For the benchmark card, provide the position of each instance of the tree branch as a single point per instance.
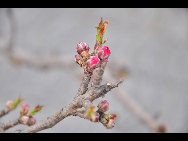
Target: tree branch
(98, 74)
(73, 108)
(5, 112)
(24, 58)
(85, 82)
(10, 124)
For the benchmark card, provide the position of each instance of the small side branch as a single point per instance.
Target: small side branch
(50, 121)
(101, 91)
(10, 124)
(4, 112)
(76, 108)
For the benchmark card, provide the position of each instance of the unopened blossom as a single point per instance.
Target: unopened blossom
(83, 54)
(108, 120)
(9, 104)
(110, 124)
(35, 110)
(31, 121)
(28, 120)
(103, 106)
(81, 46)
(92, 63)
(77, 58)
(95, 117)
(81, 60)
(24, 109)
(91, 114)
(24, 120)
(103, 52)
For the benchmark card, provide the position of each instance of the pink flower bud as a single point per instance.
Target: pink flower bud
(24, 120)
(110, 124)
(103, 106)
(32, 121)
(92, 63)
(103, 52)
(81, 46)
(95, 117)
(77, 58)
(9, 104)
(25, 106)
(24, 109)
(28, 120)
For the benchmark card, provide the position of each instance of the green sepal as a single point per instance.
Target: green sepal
(35, 110)
(16, 102)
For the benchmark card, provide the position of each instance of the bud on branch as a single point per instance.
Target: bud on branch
(35, 110)
(92, 63)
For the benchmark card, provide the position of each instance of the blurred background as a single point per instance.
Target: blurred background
(151, 46)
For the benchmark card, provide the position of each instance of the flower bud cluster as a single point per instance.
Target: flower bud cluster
(12, 104)
(108, 120)
(102, 52)
(84, 57)
(24, 109)
(26, 116)
(103, 106)
(92, 115)
(95, 116)
(27, 120)
(9, 104)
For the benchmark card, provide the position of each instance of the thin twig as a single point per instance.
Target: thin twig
(10, 124)
(78, 102)
(5, 111)
(30, 60)
(71, 109)
(96, 78)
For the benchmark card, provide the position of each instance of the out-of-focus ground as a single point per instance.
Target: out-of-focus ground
(151, 43)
